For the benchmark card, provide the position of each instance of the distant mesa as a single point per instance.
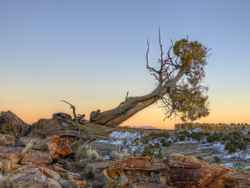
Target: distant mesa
(142, 126)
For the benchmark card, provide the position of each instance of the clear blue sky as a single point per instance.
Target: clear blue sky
(92, 52)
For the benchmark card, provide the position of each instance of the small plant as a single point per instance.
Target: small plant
(214, 137)
(233, 146)
(196, 136)
(235, 141)
(217, 159)
(88, 172)
(92, 154)
(182, 135)
(87, 153)
(148, 151)
(164, 142)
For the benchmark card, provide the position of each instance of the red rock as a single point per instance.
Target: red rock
(234, 179)
(132, 170)
(37, 157)
(177, 171)
(189, 172)
(31, 176)
(150, 185)
(59, 147)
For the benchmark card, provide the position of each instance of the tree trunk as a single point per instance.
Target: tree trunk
(132, 105)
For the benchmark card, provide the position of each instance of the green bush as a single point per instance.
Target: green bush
(182, 135)
(234, 145)
(214, 137)
(197, 136)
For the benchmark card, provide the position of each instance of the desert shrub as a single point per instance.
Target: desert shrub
(214, 137)
(235, 141)
(92, 154)
(230, 147)
(200, 157)
(152, 151)
(217, 159)
(147, 139)
(164, 142)
(182, 135)
(148, 151)
(197, 136)
(88, 172)
(87, 153)
(234, 145)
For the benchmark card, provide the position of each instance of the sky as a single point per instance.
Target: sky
(92, 52)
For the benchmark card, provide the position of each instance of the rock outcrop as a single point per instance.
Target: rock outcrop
(59, 147)
(176, 171)
(47, 127)
(56, 154)
(11, 124)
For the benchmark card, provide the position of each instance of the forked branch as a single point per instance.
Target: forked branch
(72, 107)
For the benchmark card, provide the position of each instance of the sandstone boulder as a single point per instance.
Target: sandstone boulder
(176, 171)
(59, 147)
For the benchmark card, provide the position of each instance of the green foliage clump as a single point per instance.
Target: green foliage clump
(189, 99)
(190, 51)
(148, 151)
(197, 136)
(214, 137)
(234, 141)
(153, 151)
(217, 159)
(182, 135)
(189, 103)
(164, 142)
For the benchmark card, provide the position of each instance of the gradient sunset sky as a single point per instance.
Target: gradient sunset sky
(92, 52)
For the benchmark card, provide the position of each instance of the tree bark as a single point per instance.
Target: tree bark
(133, 105)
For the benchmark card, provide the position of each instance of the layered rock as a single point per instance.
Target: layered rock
(24, 167)
(47, 157)
(11, 124)
(46, 127)
(176, 171)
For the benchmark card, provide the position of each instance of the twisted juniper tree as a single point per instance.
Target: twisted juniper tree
(179, 73)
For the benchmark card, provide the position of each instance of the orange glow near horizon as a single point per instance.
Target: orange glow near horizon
(151, 117)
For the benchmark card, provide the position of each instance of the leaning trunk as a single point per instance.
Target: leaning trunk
(124, 111)
(132, 105)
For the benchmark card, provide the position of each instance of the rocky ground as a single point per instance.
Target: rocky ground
(59, 152)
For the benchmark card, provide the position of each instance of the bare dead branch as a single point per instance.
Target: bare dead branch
(161, 51)
(71, 107)
(147, 54)
(151, 69)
